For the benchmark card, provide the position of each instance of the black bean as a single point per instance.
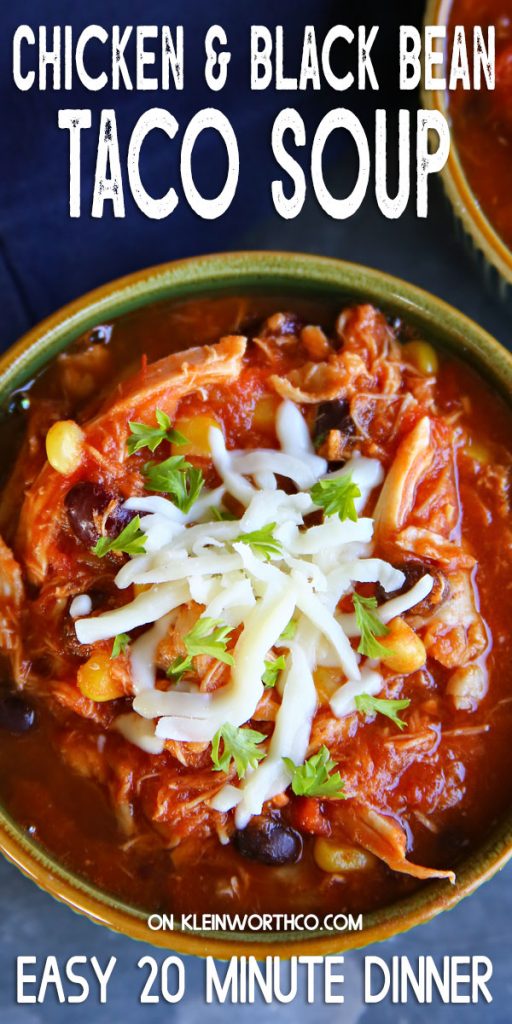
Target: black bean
(270, 842)
(118, 519)
(70, 643)
(414, 571)
(85, 503)
(19, 403)
(99, 335)
(16, 715)
(99, 595)
(402, 330)
(290, 324)
(280, 325)
(334, 415)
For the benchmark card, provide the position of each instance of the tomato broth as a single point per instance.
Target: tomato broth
(482, 121)
(137, 824)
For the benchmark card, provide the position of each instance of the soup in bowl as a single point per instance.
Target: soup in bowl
(477, 174)
(255, 521)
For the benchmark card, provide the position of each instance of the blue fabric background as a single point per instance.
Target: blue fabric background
(46, 259)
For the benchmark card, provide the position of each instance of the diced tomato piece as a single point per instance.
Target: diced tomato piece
(308, 816)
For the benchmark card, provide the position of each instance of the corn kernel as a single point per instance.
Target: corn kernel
(422, 355)
(195, 429)
(327, 681)
(98, 680)
(466, 686)
(478, 451)
(337, 858)
(407, 650)
(264, 415)
(64, 443)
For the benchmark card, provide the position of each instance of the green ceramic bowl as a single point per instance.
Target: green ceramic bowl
(266, 273)
(488, 250)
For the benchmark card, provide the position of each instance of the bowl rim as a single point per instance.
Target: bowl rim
(456, 185)
(235, 272)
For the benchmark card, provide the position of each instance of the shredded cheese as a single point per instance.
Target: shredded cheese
(291, 732)
(80, 605)
(138, 732)
(235, 702)
(143, 654)
(147, 607)
(343, 700)
(396, 606)
(308, 570)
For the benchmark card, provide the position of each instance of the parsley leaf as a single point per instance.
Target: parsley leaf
(263, 541)
(121, 642)
(288, 633)
(272, 669)
(177, 477)
(209, 636)
(370, 627)
(239, 745)
(150, 437)
(180, 666)
(319, 440)
(336, 495)
(373, 705)
(313, 779)
(131, 541)
(222, 514)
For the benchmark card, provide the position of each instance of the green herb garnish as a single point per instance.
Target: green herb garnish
(263, 541)
(131, 541)
(180, 666)
(336, 495)
(176, 477)
(209, 636)
(222, 514)
(319, 440)
(150, 437)
(313, 779)
(288, 633)
(120, 645)
(382, 705)
(239, 745)
(370, 627)
(272, 669)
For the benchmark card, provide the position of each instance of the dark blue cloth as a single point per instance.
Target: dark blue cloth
(46, 259)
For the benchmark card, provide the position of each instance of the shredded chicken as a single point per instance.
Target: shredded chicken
(11, 599)
(456, 633)
(162, 385)
(384, 837)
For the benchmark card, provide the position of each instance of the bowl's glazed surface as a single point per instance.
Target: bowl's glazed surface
(266, 273)
(492, 255)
